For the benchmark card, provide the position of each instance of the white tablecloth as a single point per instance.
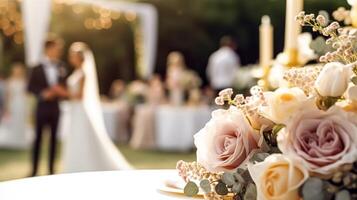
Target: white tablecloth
(118, 185)
(175, 126)
(110, 114)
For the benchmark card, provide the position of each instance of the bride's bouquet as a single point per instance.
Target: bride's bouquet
(298, 142)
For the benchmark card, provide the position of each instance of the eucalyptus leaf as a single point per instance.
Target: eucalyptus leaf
(221, 189)
(237, 188)
(313, 189)
(343, 195)
(354, 80)
(259, 157)
(251, 192)
(240, 170)
(191, 189)
(205, 185)
(239, 178)
(228, 178)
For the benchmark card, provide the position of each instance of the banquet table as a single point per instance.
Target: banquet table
(176, 125)
(110, 185)
(111, 115)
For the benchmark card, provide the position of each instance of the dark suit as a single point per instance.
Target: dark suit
(46, 114)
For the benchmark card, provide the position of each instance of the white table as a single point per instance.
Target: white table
(115, 185)
(110, 114)
(175, 126)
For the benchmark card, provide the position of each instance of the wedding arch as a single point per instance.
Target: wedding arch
(36, 17)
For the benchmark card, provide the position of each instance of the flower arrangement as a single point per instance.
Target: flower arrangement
(294, 143)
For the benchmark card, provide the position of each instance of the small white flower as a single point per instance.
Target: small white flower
(321, 20)
(226, 93)
(219, 101)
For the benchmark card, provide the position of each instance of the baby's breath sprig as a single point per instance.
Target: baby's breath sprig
(344, 41)
(303, 78)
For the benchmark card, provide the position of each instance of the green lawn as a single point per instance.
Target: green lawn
(16, 164)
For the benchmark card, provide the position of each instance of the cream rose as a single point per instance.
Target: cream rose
(278, 177)
(324, 140)
(283, 103)
(333, 79)
(226, 140)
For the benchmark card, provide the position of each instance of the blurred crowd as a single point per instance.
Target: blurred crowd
(135, 102)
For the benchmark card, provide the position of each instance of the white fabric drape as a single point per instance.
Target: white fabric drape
(36, 17)
(92, 107)
(148, 20)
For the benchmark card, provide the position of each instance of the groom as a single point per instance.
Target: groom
(45, 80)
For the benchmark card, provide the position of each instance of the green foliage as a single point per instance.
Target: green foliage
(259, 157)
(313, 189)
(205, 185)
(221, 189)
(325, 103)
(228, 179)
(251, 192)
(191, 189)
(343, 195)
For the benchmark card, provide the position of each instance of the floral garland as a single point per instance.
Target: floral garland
(293, 143)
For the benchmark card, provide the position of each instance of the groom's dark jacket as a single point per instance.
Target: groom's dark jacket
(38, 83)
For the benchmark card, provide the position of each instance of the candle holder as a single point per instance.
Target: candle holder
(290, 58)
(263, 80)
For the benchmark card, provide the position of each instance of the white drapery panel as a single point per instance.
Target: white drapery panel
(36, 18)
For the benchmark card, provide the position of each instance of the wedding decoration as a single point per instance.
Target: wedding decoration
(265, 49)
(297, 142)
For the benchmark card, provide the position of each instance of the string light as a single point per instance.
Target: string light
(130, 16)
(10, 20)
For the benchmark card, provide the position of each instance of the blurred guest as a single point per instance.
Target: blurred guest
(144, 118)
(44, 81)
(175, 77)
(117, 89)
(121, 104)
(194, 97)
(223, 65)
(2, 95)
(208, 96)
(15, 131)
(136, 92)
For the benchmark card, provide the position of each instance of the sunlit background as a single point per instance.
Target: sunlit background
(192, 27)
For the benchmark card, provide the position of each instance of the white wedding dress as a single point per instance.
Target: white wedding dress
(87, 146)
(15, 131)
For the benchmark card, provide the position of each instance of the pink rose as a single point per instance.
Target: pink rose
(226, 141)
(324, 140)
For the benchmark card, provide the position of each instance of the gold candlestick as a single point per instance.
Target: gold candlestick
(291, 58)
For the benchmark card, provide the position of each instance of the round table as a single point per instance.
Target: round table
(111, 185)
(175, 126)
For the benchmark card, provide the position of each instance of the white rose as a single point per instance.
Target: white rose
(278, 178)
(333, 79)
(283, 103)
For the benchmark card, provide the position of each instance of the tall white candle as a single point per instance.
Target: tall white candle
(292, 28)
(265, 42)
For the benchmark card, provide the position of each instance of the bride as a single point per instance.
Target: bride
(87, 146)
